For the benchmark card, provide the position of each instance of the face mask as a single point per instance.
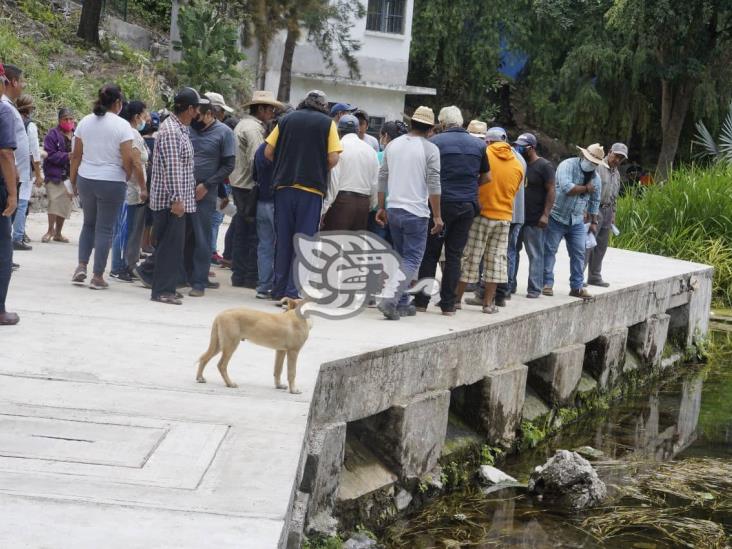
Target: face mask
(587, 166)
(67, 126)
(141, 126)
(198, 124)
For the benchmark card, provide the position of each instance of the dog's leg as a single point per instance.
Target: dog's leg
(223, 364)
(279, 363)
(291, 370)
(213, 348)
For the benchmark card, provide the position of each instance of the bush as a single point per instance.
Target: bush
(690, 218)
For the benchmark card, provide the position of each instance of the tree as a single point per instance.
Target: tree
(91, 13)
(210, 47)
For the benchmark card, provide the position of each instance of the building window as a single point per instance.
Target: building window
(386, 16)
(375, 124)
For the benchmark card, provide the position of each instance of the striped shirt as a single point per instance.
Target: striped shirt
(172, 170)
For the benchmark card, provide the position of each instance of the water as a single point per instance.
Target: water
(682, 423)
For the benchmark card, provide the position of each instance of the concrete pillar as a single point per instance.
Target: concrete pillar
(325, 450)
(604, 357)
(699, 303)
(555, 376)
(502, 402)
(408, 437)
(648, 338)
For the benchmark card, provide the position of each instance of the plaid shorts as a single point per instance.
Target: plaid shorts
(487, 240)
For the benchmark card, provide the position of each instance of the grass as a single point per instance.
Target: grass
(690, 218)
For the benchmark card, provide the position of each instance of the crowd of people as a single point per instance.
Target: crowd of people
(153, 188)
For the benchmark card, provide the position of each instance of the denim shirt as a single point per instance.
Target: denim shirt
(570, 210)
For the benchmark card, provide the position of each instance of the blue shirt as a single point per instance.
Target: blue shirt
(262, 174)
(462, 159)
(210, 147)
(570, 210)
(7, 133)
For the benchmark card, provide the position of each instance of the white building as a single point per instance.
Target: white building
(385, 35)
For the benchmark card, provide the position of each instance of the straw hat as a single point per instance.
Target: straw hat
(477, 128)
(424, 115)
(263, 97)
(595, 154)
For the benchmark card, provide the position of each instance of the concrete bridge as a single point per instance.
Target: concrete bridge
(107, 440)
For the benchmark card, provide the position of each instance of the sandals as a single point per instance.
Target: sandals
(168, 299)
(490, 309)
(98, 284)
(47, 237)
(79, 275)
(60, 238)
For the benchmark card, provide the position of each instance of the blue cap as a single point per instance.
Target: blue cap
(496, 134)
(348, 124)
(341, 107)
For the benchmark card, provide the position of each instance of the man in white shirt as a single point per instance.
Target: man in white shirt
(363, 126)
(13, 90)
(353, 182)
(410, 174)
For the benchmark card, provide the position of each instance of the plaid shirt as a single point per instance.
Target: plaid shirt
(570, 210)
(172, 171)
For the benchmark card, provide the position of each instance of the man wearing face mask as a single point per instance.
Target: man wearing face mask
(610, 178)
(214, 148)
(577, 192)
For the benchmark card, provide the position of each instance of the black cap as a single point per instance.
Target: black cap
(188, 97)
(348, 124)
(361, 114)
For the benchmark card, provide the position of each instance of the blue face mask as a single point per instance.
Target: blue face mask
(587, 166)
(141, 126)
(521, 149)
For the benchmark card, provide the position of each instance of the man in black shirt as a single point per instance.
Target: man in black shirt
(538, 202)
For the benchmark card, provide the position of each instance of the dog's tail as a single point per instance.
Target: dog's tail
(214, 346)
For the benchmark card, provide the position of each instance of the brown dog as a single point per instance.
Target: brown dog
(285, 333)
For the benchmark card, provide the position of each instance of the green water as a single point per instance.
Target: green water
(686, 417)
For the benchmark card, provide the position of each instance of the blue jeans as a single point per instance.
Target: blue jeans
(296, 211)
(575, 238)
(266, 245)
(532, 238)
(409, 234)
(119, 243)
(197, 248)
(6, 253)
(19, 223)
(217, 219)
(505, 290)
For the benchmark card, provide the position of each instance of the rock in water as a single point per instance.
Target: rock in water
(569, 480)
(590, 453)
(491, 475)
(359, 541)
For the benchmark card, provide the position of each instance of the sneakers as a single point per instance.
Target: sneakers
(501, 301)
(389, 310)
(79, 275)
(122, 276)
(263, 295)
(20, 246)
(407, 310)
(216, 259)
(473, 301)
(548, 291)
(581, 293)
(26, 239)
(533, 296)
(601, 283)
(98, 284)
(196, 293)
(144, 281)
(210, 285)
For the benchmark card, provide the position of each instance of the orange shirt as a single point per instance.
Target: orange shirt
(507, 173)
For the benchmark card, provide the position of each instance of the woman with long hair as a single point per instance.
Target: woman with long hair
(101, 164)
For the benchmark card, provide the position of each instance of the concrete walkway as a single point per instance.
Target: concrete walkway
(106, 440)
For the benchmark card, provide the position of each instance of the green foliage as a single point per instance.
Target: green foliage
(210, 47)
(489, 454)
(38, 10)
(690, 217)
(155, 13)
(531, 434)
(333, 542)
(721, 152)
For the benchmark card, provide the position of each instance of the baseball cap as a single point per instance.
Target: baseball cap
(341, 107)
(361, 114)
(319, 96)
(620, 148)
(496, 134)
(348, 124)
(527, 139)
(217, 100)
(188, 97)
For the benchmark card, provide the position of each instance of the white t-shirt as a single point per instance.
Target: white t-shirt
(101, 137)
(133, 189)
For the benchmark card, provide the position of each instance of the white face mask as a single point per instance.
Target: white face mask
(587, 166)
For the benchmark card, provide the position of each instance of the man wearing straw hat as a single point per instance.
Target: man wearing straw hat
(410, 175)
(250, 132)
(578, 193)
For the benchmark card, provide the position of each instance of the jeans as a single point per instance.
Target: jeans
(20, 218)
(532, 238)
(458, 217)
(266, 246)
(295, 211)
(575, 238)
(135, 227)
(409, 234)
(512, 254)
(217, 218)
(244, 244)
(101, 201)
(197, 249)
(378, 230)
(165, 263)
(6, 254)
(119, 241)
(595, 256)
